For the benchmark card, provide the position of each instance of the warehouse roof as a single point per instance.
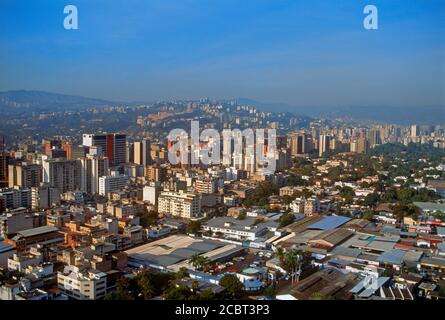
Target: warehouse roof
(329, 223)
(37, 231)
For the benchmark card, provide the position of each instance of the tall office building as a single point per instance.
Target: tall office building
(362, 145)
(415, 131)
(25, 175)
(323, 144)
(113, 146)
(374, 138)
(298, 143)
(3, 164)
(62, 174)
(142, 152)
(93, 167)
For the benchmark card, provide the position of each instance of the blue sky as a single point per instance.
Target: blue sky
(307, 53)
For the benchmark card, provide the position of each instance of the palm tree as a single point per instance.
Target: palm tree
(292, 261)
(198, 261)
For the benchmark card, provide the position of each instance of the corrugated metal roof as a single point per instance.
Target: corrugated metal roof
(5, 246)
(37, 231)
(394, 256)
(329, 223)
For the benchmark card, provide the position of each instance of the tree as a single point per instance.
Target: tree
(232, 284)
(180, 292)
(198, 261)
(207, 294)
(270, 291)
(390, 195)
(145, 283)
(291, 261)
(149, 218)
(193, 227)
(182, 273)
(286, 199)
(347, 192)
(286, 219)
(118, 295)
(369, 214)
(261, 194)
(371, 199)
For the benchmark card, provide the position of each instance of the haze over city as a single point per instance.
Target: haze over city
(302, 53)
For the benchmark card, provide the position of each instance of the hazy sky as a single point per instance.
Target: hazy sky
(302, 52)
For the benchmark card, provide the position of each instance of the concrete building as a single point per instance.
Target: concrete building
(112, 183)
(141, 152)
(24, 175)
(44, 197)
(206, 185)
(179, 204)
(93, 167)
(151, 193)
(113, 146)
(82, 285)
(16, 198)
(62, 174)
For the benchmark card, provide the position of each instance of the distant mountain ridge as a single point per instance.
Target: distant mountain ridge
(19, 101)
(12, 102)
(386, 114)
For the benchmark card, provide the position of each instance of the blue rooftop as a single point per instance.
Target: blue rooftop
(329, 223)
(5, 247)
(394, 256)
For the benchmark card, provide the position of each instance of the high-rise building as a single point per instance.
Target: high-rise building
(374, 138)
(62, 174)
(362, 145)
(44, 196)
(93, 167)
(78, 152)
(298, 143)
(415, 131)
(323, 144)
(142, 152)
(4, 159)
(155, 173)
(24, 175)
(113, 146)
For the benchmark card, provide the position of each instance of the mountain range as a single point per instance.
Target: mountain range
(22, 101)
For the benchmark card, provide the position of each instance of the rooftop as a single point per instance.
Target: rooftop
(37, 231)
(329, 223)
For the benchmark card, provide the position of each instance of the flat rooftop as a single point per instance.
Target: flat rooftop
(174, 251)
(329, 223)
(37, 231)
